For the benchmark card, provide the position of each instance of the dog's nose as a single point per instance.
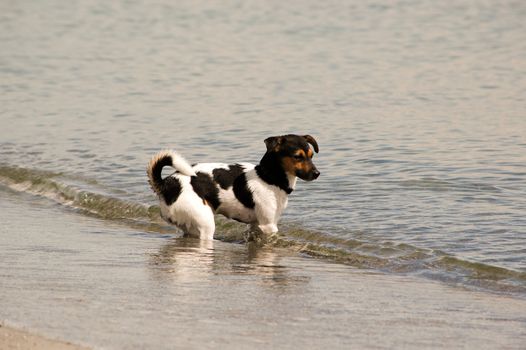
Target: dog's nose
(316, 173)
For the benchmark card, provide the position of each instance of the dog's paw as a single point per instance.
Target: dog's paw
(268, 229)
(261, 239)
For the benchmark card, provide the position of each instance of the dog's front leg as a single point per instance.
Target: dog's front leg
(267, 217)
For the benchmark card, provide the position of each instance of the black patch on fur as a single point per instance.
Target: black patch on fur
(226, 177)
(313, 142)
(271, 171)
(205, 188)
(171, 189)
(242, 192)
(291, 143)
(158, 169)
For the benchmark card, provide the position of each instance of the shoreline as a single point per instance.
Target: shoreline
(14, 338)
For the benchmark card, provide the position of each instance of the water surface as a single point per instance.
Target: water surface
(110, 286)
(418, 108)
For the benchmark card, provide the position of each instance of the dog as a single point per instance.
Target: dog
(252, 194)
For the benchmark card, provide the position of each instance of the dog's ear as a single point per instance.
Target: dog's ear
(273, 143)
(312, 141)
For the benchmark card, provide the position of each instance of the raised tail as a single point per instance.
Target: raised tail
(162, 159)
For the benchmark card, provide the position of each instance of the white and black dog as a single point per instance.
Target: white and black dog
(253, 194)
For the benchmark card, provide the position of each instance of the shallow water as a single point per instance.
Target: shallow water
(110, 286)
(418, 108)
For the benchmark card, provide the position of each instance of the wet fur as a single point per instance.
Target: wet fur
(253, 194)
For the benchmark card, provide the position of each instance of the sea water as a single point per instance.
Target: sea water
(418, 108)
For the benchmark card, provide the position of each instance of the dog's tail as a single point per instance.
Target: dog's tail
(162, 159)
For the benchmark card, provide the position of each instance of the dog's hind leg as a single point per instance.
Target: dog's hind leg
(207, 231)
(268, 229)
(204, 225)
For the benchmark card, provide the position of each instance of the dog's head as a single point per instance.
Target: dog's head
(295, 154)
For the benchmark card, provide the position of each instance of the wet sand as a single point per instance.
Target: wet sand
(11, 338)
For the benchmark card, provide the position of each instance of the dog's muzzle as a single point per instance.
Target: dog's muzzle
(311, 175)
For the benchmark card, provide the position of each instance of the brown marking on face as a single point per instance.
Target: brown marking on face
(289, 165)
(310, 153)
(300, 153)
(303, 166)
(299, 163)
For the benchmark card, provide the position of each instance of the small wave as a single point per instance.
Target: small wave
(54, 186)
(384, 256)
(405, 258)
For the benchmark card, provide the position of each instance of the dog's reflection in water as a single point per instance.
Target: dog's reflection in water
(186, 259)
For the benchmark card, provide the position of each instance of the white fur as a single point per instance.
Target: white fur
(180, 164)
(270, 201)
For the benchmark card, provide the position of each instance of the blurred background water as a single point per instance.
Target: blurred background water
(418, 106)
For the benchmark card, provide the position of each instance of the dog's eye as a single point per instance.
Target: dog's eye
(298, 157)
